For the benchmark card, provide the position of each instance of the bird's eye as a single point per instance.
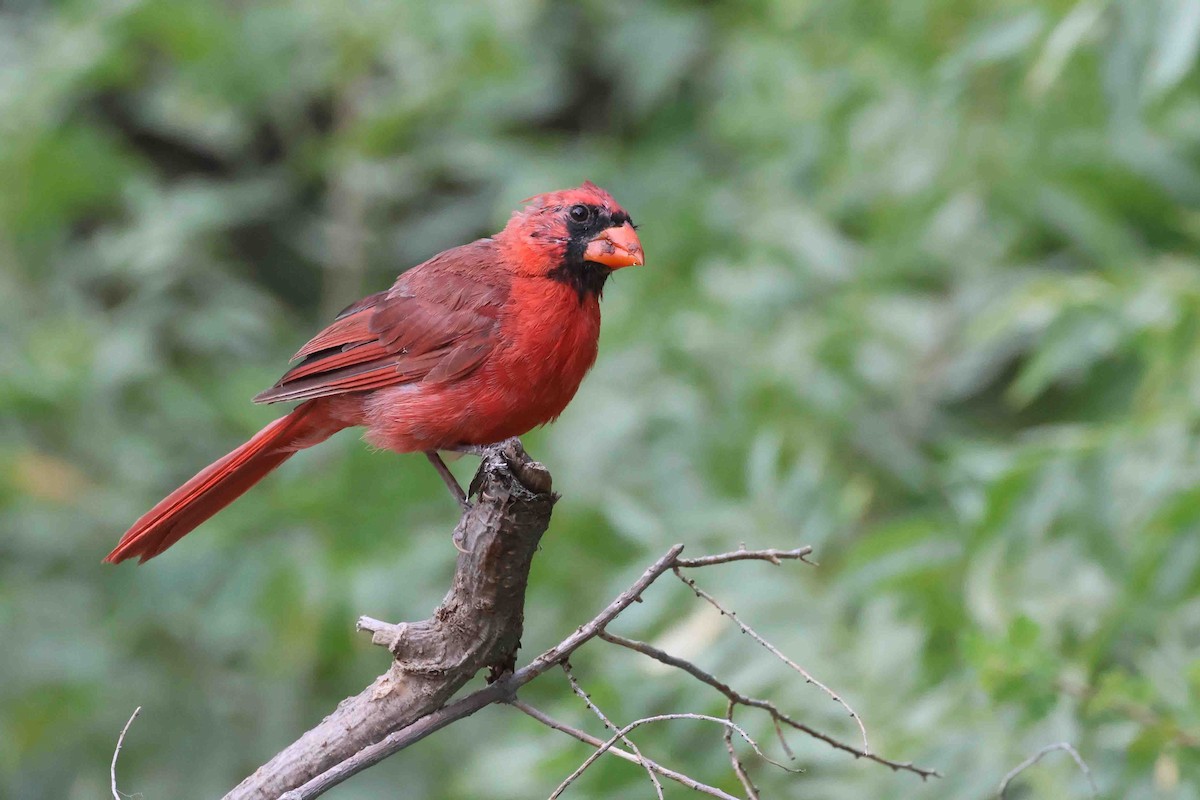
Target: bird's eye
(580, 213)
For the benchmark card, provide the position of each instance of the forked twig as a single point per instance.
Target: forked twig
(778, 716)
(739, 769)
(587, 738)
(1036, 757)
(578, 690)
(773, 650)
(662, 718)
(772, 555)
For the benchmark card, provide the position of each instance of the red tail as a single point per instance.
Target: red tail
(222, 482)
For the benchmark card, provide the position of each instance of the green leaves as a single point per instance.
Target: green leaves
(923, 290)
(1017, 668)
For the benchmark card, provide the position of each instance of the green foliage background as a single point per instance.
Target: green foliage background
(922, 291)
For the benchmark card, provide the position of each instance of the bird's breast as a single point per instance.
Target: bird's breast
(546, 340)
(550, 338)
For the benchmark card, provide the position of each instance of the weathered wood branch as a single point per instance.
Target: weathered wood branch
(477, 626)
(501, 691)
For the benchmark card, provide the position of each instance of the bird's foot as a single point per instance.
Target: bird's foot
(511, 453)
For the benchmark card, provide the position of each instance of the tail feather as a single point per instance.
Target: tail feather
(220, 483)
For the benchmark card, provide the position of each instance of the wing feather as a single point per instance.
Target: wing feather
(437, 323)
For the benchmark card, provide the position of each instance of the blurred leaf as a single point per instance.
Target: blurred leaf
(922, 291)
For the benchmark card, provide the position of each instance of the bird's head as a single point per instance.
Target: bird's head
(578, 236)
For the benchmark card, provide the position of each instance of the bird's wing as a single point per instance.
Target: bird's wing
(437, 323)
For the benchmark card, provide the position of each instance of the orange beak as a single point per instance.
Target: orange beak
(615, 248)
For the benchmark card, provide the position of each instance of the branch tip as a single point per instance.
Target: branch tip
(112, 770)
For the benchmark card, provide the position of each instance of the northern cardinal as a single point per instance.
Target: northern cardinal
(478, 344)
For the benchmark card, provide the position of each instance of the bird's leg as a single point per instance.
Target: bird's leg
(448, 477)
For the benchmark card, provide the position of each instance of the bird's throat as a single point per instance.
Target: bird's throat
(585, 277)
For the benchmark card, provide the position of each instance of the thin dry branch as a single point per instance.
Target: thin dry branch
(112, 770)
(733, 695)
(773, 650)
(776, 557)
(637, 723)
(587, 699)
(783, 742)
(1036, 757)
(586, 738)
(739, 768)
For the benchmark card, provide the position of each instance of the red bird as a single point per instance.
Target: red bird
(478, 344)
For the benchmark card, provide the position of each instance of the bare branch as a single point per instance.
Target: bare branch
(783, 742)
(575, 733)
(395, 742)
(738, 768)
(502, 690)
(112, 770)
(592, 629)
(435, 657)
(578, 690)
(662, 718)
(778, 716)
(432, 658)
(746, 629)
(1036, 757)
(774, 556)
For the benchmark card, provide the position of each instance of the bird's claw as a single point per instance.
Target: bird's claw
(529, 473)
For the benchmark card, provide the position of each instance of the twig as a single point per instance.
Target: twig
(738, 768)
(586, 738)
(592, 629)
(754, 702)
(112, 770)
(578, 690)
(774, 556)
(783, 742)
(776, 652)
(661, 718)
(1036, 757)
